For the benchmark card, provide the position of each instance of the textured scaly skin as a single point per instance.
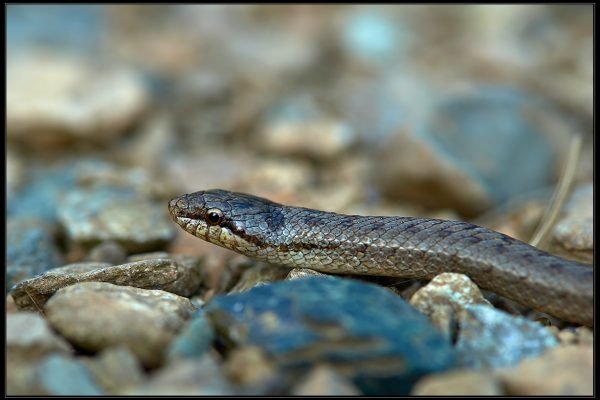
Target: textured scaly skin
(390, 246)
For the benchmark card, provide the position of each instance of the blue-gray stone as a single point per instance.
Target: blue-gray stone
(489, 338)
(369, 334)
(63, 376)
(30, 249)
(496, 136)
(195, 339)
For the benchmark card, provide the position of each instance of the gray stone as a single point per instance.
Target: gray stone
(95, 316)
(64, 376)
(180, 275)
(195, 339)
(115, 369)
(31, 249)
(368, 334)
(94, 216)
(28, 337)
(489, 338)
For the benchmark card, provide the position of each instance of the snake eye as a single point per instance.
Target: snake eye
(214, 216)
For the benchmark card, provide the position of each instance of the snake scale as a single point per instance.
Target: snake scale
(404, 247)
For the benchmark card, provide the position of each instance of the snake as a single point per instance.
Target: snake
(404, 247)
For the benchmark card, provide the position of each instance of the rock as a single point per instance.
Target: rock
(444, 296)
(29, 337)
(580, 335)
(459, 383)
(93, 216)
(299, 273)
(279, 176)
(30, 249)
(115, 369)
(489, 338)
(185, 377)
(195, 339)
(573, 235)
(250, 368)
(180, 275)
(368, 334)
(94, 316)
(108, 252)
(69, 101)
(325, 381)
(59, 375)
(259, 274)
(561, 371)
(148, 256)
(297, 127)
(469, 152)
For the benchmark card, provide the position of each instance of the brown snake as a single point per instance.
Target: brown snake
(389, 246)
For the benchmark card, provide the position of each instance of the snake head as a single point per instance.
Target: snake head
(236, 221)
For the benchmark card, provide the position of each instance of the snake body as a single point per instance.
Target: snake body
(389, 246)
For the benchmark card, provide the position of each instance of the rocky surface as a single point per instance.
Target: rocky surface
(98, 315)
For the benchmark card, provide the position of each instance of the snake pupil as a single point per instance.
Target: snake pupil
(213, 217)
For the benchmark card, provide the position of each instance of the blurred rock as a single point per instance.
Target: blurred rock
(473, 151)
(180, 275)
(29, 337)
(581, 335)
(562, 371)
(325, 381)
(95, 316)
(443, 297)
(59, 375)
(185, 377)
(261, 273)
(366, 333)
(195, 338)
(115, 369)
(459, 383)
(573, 235)
(54, 100)
(250, 368)
(30, 249)
(299, 273)
(489, 338)
(276, 176)
(109, 252)
(93, 216)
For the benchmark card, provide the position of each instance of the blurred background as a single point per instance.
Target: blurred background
(442, 111)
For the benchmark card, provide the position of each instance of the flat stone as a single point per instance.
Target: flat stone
(98, 315)
(69, 100)
(325, 381)
(180, 275)
(561, 371)
(489, 338)
(369, 335)
(97, 215)
(459, 383)
(444, 296)
(31, 249)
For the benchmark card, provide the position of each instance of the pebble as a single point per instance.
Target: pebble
(180, 275)
(299, 273)
(31, 249)
(452, 159)
(59, 375)
(561, 371)
(195, 338)
(250, 368)
(28, 337)
(92, 216)
(261, 273)
(109, 252)
(185, 377)
(573, 235)
(97, 315)
(323, 380)
(444, 296)
(115, 369)
(459, 383)
(370, 336)
(489, 338)
(68, 101)
(580, 335)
